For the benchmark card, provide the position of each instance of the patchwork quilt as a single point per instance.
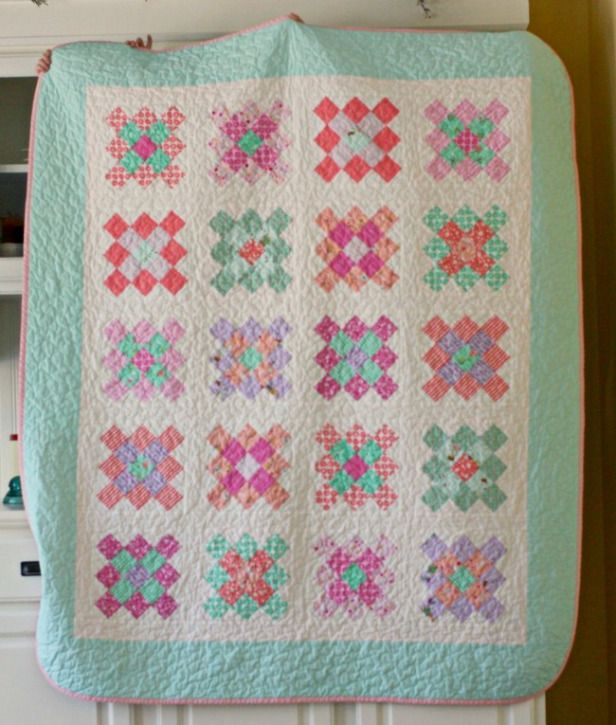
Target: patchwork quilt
(301, 368)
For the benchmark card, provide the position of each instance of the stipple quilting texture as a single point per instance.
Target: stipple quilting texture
(301, 367)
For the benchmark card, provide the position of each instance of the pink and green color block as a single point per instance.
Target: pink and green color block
(467, 140)
(356, 358)
(246, 577)
(466, 248)
(356, 467)
(145, 146)
(354, 578)
(137, 577)
(250, 143)
(144, 361)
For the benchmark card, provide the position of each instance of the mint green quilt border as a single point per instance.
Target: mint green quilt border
(387, 670)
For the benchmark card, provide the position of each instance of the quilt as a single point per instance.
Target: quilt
(301, 368)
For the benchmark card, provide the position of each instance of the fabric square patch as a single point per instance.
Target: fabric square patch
(464, 468)
(250, 143)
(246, 578)
(354, 577)
(144, 254)
(356, 249)
(251, 251)
(462, 579)
(465, 357)
(357, 139)
(137, 576)
(356, 467)
(144, 147)
(251, 358)
(144, 361)
(356, 358)
(140, 467)
(466, 248)
(248, 467)
(467, 140)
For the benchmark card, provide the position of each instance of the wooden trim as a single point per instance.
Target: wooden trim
(11, 275)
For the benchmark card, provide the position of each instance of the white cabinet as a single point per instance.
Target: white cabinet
(25, 31)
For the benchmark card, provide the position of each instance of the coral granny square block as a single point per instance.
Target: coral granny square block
(246, 579)
(466, 248)
(140, 467)
(145, 254)
(356, 249)
(466, 358)
(248, 467)
(357, 139)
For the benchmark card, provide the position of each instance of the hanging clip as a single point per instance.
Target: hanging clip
(426, 10)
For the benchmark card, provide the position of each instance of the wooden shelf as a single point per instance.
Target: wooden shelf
(13, 168)
(11, 275)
